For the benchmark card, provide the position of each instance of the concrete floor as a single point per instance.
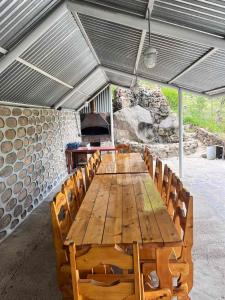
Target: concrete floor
(27, 259)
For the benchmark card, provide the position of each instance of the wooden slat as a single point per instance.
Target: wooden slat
(113, 223)
(165, 224)
(131, 225)
(149, 227)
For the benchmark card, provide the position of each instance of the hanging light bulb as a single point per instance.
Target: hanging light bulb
(150, 53)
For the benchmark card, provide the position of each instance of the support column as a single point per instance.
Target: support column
(111, 115)
(181, 132)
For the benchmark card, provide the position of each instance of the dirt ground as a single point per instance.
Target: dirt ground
(27, 259)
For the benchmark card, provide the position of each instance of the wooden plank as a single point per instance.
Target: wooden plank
(96, 223)
(113, 223)
(168, 231)
(149, 228)
(80, 224)
(131, 227)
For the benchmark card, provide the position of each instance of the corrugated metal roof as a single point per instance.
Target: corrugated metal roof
(208, 75)
(173, 57)
(119, 79)
(134, 7)
(116, 45)
(88, 87)
(19, 17)
(208, 16)
(21, 84)
(62, 52)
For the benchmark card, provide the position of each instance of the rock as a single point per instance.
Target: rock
(6, 171)
(133, 123)
(2, 123)
(5, 111)
(16, 111)
(23, 121)
(11, 122)
(10, 134)
(6, 147)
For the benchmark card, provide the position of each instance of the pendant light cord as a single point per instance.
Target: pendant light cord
(149, 35)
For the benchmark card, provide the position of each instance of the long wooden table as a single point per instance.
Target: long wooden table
(119, 163)
(121, 209)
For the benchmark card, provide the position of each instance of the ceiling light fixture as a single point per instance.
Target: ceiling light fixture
(150, 53)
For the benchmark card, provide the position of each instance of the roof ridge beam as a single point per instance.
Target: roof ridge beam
(194, 64)
(157, 27)
(12, 55)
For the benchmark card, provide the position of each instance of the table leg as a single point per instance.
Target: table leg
(162, 267)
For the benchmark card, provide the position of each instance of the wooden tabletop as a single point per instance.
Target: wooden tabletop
(119, 163)
(91, 149)
(123, 208)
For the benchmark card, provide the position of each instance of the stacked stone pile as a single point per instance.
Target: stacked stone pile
(144, 116)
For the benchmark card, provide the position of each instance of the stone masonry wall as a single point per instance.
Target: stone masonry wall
(207, 138)
(32, 159)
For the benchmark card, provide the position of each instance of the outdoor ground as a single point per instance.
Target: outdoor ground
(27, 259)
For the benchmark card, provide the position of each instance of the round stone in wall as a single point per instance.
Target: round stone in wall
(22, 195)
(16, 111)
(5, 111)
(22, 121)
(22, 174)
(35, 202)
(24, 214)
(18, 187)
(6, 171)
(11, 180)
(38, 121)
(6, 147)
(28, 201)
(26, 141)
(42, 119)
(18, 166)
(30, 208)
(28, 160)
(2, 186)
(1, 161)
(10, 134)
(11, 122)
(2, 123)
(38, 129)
(38, 147)
(14, 223)
(1, 135)
(48, 119)
(6, 195)
(45, 126)
(35, 112)
(1, 212)
(30, 149)
(18, 144)
(27, 112)
(11, 158)
(32, 121)
(18, 210)
(31, 130)
(5, 221)
(30, 169)
(10, 204)
(27, 180)
(36, 192)
(21, 132)
(21, 154)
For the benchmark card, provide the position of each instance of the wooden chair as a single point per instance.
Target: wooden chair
(123, 148)
(166, 183)
(149, 164)
(146, 152)
(70, 190)
(180, 262)
(112, 286)
(79, 184)
(175, 187)
(158, 174)
(61, 222)
(89, 175)
(97, 158)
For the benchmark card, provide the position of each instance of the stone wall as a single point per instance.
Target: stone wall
(32, 159)
(207, 138)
